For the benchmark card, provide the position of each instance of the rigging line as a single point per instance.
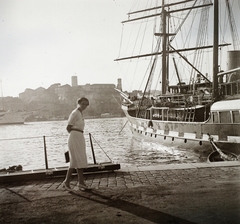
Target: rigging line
(138, 61)
(144, 32)
(138, 34)
(101, 148)
(123, 127)
(190, 64)
(149, 85)
(128, 44)
(154, 30)
(204, 38)
(189, 38)
(129, 38)
(140, 47)
(159, 76)
(126, 73)
(158, 80)
(156, 50)
(233, 28)
(143, 37)
(149, 79)
(201, 39)
(135, 71)
(225, 25)
(120, 42)
(133, 5)
(174, 25)
(146, 72)
(181, 24)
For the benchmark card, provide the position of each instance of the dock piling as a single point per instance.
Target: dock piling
(93, 153)
(45, 152)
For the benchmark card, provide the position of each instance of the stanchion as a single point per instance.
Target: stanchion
(45, 152)
(94, 158)
(43, 174)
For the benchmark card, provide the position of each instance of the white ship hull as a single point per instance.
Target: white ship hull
(190, 134)
(11, 117)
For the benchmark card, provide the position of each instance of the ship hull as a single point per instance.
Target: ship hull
(188, 135)
(7, 118)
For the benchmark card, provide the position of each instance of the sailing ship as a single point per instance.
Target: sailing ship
(203, 112)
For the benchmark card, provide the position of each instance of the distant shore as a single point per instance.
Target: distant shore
(66, 118)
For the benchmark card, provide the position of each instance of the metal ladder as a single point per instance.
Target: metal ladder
(190, 114)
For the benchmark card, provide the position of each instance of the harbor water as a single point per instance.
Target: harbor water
(23, 144)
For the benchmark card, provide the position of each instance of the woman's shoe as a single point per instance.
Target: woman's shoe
(66, 187)
(83, 187)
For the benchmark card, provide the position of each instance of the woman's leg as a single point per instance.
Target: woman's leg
(80, 176)
(68, 176)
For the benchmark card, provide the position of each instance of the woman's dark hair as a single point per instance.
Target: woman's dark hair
(80, 100)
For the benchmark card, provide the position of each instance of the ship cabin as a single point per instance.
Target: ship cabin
(182, 88)
(195, 114)
(225, 112)
(229, 83)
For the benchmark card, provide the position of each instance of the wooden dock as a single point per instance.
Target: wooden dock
(40, 174)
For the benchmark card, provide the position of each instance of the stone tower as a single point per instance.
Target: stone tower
(74, 81)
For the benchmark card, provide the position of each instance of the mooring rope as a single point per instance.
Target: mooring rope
(102, 148)
(49, 136)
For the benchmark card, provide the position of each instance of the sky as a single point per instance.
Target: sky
(43, 42)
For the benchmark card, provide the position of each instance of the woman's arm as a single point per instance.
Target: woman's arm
(71, 121)
(69, 128)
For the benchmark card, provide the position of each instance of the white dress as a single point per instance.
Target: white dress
(76, 141)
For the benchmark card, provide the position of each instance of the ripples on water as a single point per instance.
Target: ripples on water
(23, 144)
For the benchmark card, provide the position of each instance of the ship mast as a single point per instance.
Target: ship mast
(164, 49)
(215, 51)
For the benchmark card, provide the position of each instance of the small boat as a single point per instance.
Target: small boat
(13, 117)
(193, 108)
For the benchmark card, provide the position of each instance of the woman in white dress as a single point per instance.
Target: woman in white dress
(76, 145)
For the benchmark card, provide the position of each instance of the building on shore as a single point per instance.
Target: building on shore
(59, 100)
